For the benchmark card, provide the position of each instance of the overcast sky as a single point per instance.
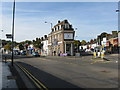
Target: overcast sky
(90, 18)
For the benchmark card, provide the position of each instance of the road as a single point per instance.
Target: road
(71, 72)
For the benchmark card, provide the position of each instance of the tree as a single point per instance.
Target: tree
(95, 40)
(77, 44)
(27, 43)
(100, 37)
(37, 43)
(91, 41)
(21, 47)
(103, 35)
(7, 47)
(83, 42)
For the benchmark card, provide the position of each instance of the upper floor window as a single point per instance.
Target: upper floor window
(52, 30)
(66, 26)
(58, 27)
(55, 28)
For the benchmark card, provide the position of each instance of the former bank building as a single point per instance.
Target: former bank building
(61, 39)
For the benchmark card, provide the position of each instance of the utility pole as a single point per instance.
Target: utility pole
(13, 31)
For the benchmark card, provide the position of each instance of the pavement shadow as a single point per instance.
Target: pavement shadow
(47, 79)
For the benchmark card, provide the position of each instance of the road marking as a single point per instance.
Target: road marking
(35, 78)
(36, 81)
(29, 76)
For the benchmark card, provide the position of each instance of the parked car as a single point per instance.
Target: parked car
(36, 54)
(17, 53)
(23, 53)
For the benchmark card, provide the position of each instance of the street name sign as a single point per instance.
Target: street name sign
(9, 35)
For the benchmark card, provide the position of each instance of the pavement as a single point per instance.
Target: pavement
(7, 80)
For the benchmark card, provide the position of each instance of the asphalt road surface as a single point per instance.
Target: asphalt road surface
(71, 72)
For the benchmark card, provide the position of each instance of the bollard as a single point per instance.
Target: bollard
(102, 54)
(94, 54)
(98, 54)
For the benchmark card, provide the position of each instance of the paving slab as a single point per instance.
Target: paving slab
(8, 81)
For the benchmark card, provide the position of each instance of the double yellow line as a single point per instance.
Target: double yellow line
(34, 80)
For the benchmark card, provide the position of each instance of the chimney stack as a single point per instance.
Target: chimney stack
(59, 21)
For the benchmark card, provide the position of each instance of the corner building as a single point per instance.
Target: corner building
(61, 39)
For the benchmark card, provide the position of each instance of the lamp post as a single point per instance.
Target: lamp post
(13, 31)
(77, 44)
(50, 23)
(51, 35)
(77, 41)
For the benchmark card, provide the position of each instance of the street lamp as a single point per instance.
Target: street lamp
(76, 39)
(50, 23)
(51, 35)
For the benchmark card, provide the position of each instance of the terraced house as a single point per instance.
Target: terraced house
(61, 39)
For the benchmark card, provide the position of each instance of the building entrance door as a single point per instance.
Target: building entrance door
(68, 49)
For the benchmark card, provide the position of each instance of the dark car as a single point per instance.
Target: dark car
(17, 53)
(23, 53)
(36, 54)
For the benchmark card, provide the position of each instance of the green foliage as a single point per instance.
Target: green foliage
(21, 47)
(77, 43)
(7, 46)
(28, 42)
(83, 42)
(37, 43)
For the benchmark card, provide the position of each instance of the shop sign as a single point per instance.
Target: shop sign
(107, 43)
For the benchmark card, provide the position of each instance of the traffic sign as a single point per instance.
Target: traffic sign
(9, 35)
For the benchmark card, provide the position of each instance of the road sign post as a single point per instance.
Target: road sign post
(13, 30)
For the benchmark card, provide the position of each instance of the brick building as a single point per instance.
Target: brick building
(61, 39)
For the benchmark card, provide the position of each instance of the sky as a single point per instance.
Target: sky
(90, 18)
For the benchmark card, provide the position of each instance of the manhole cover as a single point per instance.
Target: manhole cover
(11, 77)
